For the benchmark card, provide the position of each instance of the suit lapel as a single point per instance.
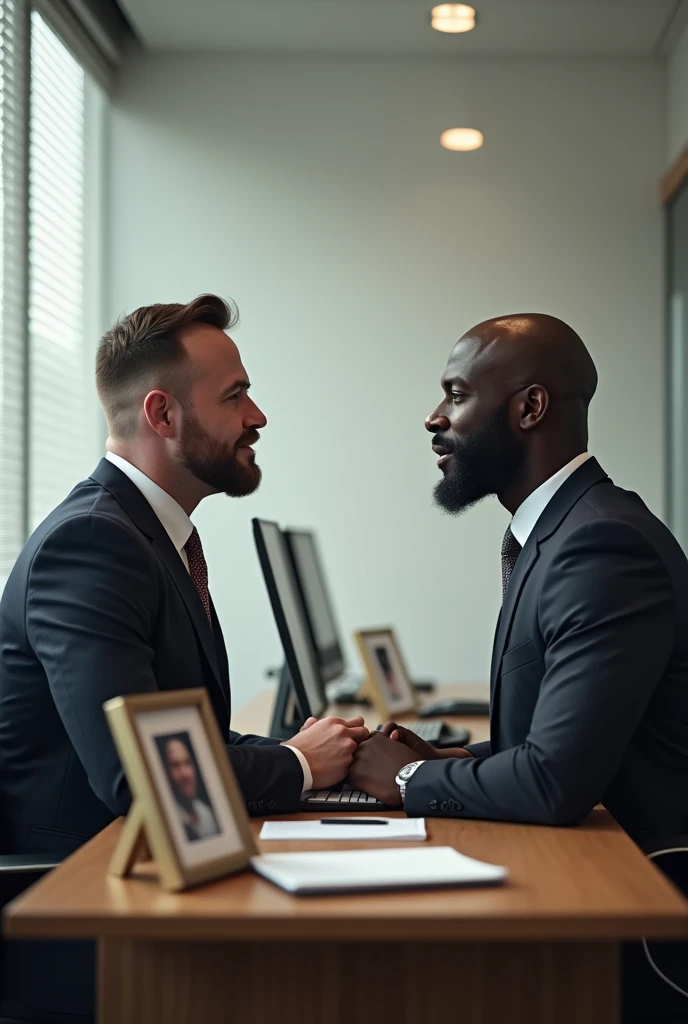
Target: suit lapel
(571, 491)
(221, 655)
(143, 516)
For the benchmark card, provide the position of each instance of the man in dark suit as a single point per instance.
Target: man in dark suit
(110, 597)
(589, 678)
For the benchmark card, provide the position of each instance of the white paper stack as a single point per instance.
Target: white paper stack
(371, 870)
(394, 829)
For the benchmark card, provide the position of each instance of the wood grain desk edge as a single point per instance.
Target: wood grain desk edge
(521, 927)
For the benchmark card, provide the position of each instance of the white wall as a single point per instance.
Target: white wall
(677, 98)
(316, 194)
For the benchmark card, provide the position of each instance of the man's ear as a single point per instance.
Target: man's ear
(157, 407)
(535, 402)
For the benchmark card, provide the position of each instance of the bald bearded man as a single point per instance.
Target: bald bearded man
(589, 678)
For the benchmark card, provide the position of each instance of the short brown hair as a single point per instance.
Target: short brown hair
(143, 351)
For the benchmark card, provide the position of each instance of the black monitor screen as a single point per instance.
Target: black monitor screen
(311, 579)
(289, 614)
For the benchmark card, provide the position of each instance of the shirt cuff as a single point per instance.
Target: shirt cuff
(305, 767)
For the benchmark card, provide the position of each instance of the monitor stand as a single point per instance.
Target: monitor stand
(286, 716)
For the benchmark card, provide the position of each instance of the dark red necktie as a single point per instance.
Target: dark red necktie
(511, 549)
(198, 569)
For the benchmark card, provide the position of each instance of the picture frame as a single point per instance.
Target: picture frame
(388, 684)
(188, 813)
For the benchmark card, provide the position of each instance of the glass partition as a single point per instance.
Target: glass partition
(677, 320)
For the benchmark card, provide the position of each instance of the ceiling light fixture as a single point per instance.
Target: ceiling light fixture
(462, 140)
(453, 18)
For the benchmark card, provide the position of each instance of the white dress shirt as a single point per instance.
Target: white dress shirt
(177, 524)
(178, 528)
(529, 511)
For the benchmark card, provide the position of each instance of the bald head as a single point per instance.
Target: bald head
(515, 409)
(531, 348)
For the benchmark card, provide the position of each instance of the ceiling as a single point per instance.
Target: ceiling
(545, 27)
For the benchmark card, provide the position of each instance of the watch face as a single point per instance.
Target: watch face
(407, 771)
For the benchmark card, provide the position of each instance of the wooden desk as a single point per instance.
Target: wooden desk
(543, 949)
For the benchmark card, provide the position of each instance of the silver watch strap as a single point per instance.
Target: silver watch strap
(402, 783)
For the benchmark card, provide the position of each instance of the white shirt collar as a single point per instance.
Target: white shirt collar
(528, 513)
(174, 519)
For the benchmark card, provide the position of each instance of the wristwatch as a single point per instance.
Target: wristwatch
(404, 775)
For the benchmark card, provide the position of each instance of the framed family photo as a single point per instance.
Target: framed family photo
(387, 681)
(186, 800)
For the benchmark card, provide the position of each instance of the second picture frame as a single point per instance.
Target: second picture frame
(388, 684)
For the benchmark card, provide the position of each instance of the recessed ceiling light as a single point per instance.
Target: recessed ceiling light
(453, 18)
(462, 139)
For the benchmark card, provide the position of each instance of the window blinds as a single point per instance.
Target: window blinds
(51, 171)
(60, 380)
(13, 141)
(95, 31)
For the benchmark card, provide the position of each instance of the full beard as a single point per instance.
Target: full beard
(485, 463)
(214, 463)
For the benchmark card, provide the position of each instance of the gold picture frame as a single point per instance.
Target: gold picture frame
(388, 684)
(188, 813)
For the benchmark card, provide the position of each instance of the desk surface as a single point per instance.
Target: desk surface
(589, 882)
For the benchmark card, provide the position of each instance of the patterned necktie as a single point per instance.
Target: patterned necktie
(511, 549)
(198, 569)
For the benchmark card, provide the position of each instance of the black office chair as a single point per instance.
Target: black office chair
(20, 870)
(656, 973)
(671, 958)
(17, 872)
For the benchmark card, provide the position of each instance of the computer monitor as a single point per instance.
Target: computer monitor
(303, 678)
(310, 577)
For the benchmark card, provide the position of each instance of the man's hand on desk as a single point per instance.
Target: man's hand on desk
(379, 759)
(329, 745)
(422, 751)
(375, 767)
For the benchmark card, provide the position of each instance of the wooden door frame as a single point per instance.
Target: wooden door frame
(675, 177)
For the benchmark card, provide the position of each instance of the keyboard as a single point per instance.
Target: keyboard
(340, 797)
(439, 734)
(428, 731)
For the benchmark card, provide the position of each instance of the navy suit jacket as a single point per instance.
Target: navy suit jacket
(589, 678)
(99, 604)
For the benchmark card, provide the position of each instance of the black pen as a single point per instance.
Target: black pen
(354, 821)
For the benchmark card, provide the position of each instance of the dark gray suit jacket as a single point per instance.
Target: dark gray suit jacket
(589, 679)
(100, 604)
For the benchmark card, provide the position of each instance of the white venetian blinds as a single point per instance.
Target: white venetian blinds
(13, 133)
(60, 380)
(53, 118)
